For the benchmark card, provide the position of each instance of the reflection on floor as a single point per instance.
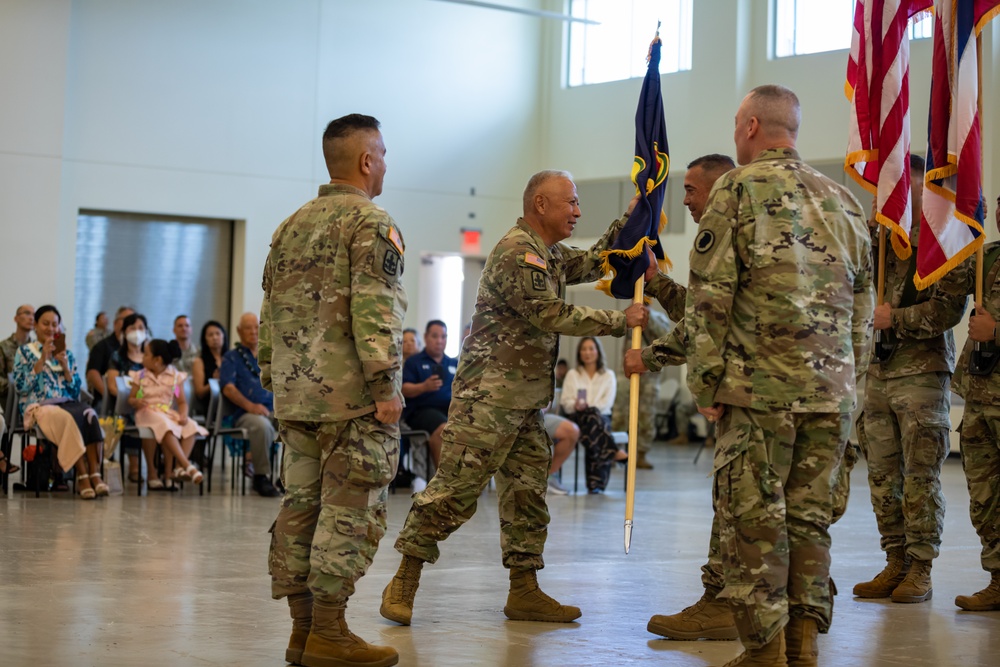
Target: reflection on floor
(181, 580)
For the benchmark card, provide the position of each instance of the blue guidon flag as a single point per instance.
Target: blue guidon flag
(627, 260)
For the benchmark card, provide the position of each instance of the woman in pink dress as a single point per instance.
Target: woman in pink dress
(155, 391)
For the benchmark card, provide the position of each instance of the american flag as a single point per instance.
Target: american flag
(878, 147)
(951, 228)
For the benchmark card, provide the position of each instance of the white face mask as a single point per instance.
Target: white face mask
(136, 337)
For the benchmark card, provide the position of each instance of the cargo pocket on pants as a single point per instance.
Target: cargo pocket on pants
(374, 456)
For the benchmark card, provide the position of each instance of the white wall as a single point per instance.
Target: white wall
(216, 108)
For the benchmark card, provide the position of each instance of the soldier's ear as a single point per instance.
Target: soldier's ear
(365, 163)
(539, 202)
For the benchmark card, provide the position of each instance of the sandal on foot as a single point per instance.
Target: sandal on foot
(181, 474)
(194, 475)
(155, 484)
(100, 487)
(88, 493)
(6, 467)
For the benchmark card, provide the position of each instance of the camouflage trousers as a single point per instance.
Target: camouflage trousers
(481, 442)
(333, 514)
(981, 462)
(773, 498)
(906, 425)
(711, 572)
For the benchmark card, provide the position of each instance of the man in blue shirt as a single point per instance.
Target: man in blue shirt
(427, 378)
(239, 376)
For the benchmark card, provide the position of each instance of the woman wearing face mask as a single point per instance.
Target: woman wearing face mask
(48, 377)
(126, 359)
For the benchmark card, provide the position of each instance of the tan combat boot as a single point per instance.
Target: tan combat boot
(771, 654)
(642, 463)
(397, 598)
(332, 644)
(301, 607)
(708, 618)
(527, 602)
(892, 575)
(800, 642)
(916, 587)
(987, 599)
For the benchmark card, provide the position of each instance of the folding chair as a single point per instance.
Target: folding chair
(124, 410)
(42, 464)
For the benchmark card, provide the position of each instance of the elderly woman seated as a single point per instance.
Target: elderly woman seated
(48, 383)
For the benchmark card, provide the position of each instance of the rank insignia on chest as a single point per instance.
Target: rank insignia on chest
(538, 281)
(391, 263)
(534, 260)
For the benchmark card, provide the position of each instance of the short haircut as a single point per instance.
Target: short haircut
(435, 322)
(122, 309)
(537, 181)
(917, 163)
(342, 128)
(713, 163)
(775, 106)
(410, 330)
(185, 317)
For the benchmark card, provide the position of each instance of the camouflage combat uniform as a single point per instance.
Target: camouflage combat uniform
(649, 389)
(330, 346)
(907, 404)
(981, 421)
(778, 316)
(504, 379)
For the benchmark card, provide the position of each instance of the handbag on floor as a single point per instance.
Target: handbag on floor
(113, 477)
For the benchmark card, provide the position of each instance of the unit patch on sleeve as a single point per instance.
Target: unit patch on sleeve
(390, 264)
(705, 241)
(538, 280)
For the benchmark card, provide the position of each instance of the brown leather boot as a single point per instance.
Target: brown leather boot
(987, 599)
(527, 602)
(707, 618)
(771, 654)
(885, 582)
(332, 644)
(301, 607)
(916, 587)
(800, 642)
(642, 463)
(397, 598)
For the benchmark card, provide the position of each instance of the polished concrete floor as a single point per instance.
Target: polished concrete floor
(177, 579)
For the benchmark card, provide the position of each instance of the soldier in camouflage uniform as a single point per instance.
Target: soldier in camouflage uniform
(981, 424)
(778, 319)
(906, 417)
(505, 377)
(330, 350)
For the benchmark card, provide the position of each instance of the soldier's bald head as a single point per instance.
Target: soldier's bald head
(538, 183)
(346, 143)
(768, 117)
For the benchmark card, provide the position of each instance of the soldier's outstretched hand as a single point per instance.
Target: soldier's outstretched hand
(637, 315)
(389, 412)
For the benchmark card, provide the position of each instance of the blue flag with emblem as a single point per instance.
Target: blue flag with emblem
(627, 260)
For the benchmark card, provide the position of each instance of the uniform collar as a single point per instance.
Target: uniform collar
(522, 224)
(328, 189)
(777, 154)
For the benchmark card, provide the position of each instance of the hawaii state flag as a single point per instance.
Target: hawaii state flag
(627, 260)
(951, 228)
(878, 145)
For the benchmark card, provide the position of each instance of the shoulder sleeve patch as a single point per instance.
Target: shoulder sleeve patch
(534, 260)
(538, 281)
(705, 241)
(395, 239)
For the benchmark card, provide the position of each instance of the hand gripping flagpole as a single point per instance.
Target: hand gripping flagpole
(633, 425)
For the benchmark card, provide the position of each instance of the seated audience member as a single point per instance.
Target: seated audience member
(99, 332)
(564, 435)
(561, 369)
(189, 351)
(588, 395)
(6, 467)
(24, 321)
(214, 344)
(99, 360)
(411, 343)
(48, 383)
(239, 377)
(124, 361)
(427, 378)
(155, 391)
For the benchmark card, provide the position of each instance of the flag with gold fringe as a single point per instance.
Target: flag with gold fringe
(627, 259)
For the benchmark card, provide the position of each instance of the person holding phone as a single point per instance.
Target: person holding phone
(587, 398)
(45, 374)
(427, 378)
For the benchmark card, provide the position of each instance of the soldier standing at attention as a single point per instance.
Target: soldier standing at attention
(778, 319)
(504, 379)
(330, 349)
(906, 416)
(977, 380)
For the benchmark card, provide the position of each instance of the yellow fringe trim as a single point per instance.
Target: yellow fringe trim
(861, 156)
(604, 285)
(923, 282)
(902, 251)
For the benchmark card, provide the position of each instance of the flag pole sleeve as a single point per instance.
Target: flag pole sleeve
(881, 265)
(633, 425)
